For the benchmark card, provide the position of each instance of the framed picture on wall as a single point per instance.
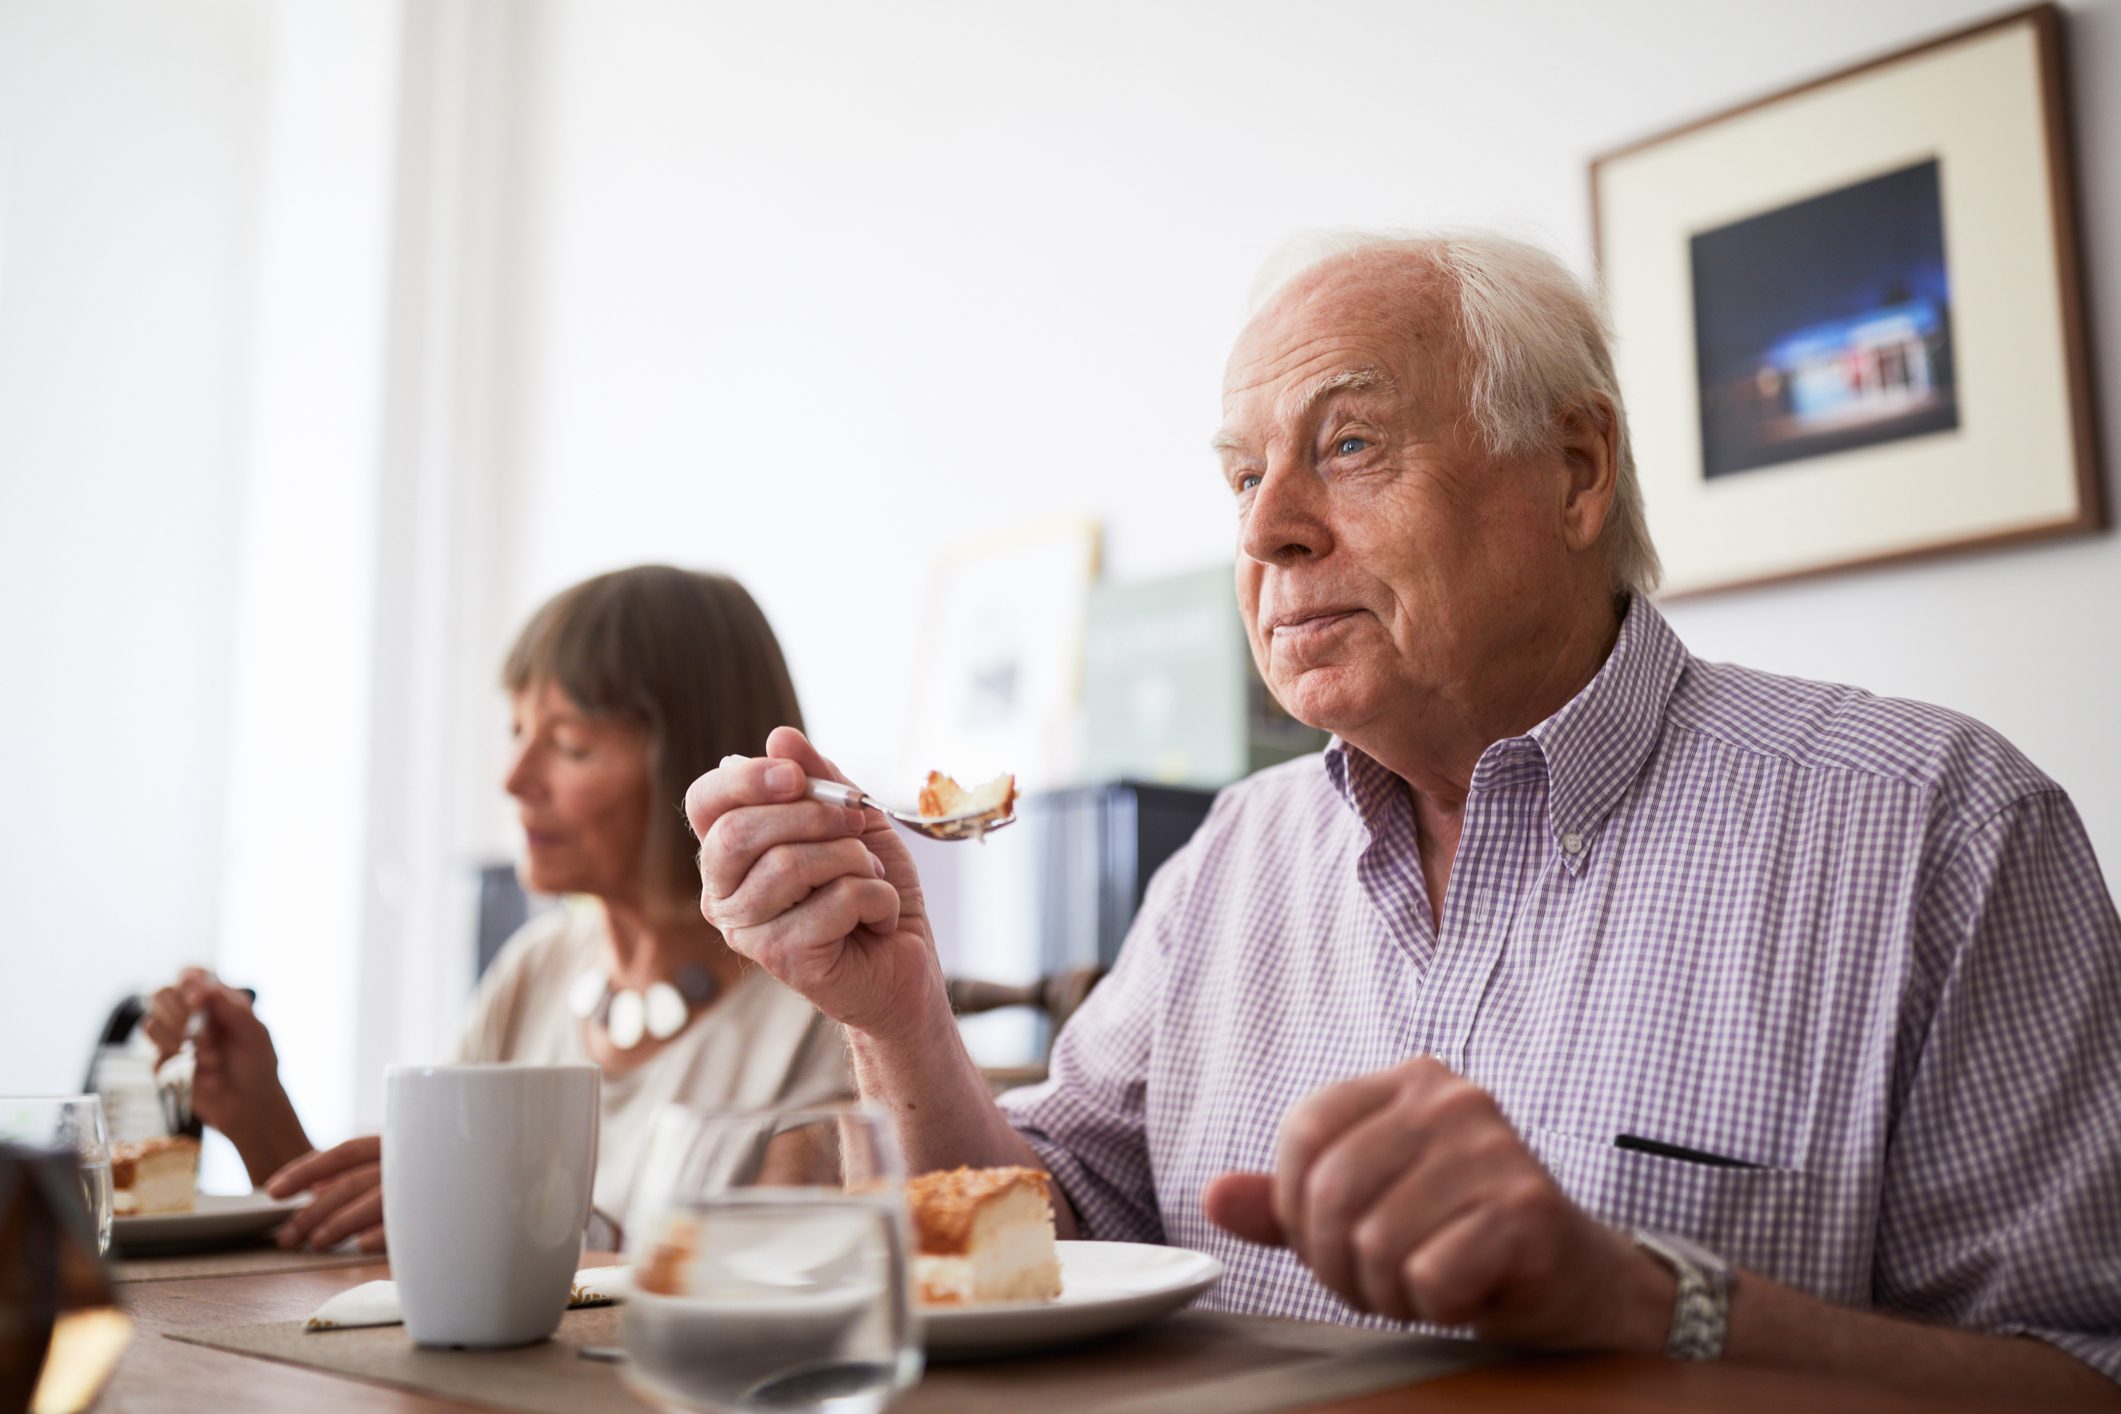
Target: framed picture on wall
(1847, 316)
(999, 682)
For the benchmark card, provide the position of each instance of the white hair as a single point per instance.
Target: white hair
(1534, 340)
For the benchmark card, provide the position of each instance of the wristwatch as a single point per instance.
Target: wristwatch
(1702, 1307)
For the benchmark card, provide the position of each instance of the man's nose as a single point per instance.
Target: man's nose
(1285, 521)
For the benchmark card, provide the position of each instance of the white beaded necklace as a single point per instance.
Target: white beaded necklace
(627, 1014)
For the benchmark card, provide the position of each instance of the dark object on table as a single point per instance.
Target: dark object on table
(48, 1268)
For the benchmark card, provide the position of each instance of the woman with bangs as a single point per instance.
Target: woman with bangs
(623, 690)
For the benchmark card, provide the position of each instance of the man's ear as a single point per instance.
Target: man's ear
(1588, 435)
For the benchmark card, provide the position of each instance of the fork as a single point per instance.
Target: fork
(173, 1080)
(950, 827)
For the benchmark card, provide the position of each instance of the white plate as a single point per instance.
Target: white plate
(1105, 1287)
(220, 1220)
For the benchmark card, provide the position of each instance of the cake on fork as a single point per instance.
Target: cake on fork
(944, 802)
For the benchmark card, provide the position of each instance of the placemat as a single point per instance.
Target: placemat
(1232, 1364)
(239, 1262)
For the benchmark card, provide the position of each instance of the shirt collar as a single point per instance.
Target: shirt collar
(1369, 789)
(1590, 750)
(1596, 744)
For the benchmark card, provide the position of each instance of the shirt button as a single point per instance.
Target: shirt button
(1572, 843)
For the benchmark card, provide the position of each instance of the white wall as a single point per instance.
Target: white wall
(299, 878)
(807, 289)
(127, 163)
(233, 531)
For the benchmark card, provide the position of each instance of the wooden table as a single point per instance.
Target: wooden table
(162, 1374)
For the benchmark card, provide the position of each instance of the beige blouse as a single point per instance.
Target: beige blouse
(759, 1044)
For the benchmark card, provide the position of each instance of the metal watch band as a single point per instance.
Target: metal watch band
(1702, 1305)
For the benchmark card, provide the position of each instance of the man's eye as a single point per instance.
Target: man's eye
(1249, 481)
(1349, 446)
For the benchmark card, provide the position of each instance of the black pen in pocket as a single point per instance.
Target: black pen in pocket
(1678, 1151)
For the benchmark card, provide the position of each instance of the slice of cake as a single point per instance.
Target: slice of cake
(154, 1175)
(983, 1235)
(944, 801)
(670, 1256)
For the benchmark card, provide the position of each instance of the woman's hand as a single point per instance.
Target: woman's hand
(346, 1184)
(168, 1014)
(824, 897)
(236, 1077)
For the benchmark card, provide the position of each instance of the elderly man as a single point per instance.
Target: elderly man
(1581, 993)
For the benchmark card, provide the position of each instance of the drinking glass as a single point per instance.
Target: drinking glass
(73, 1124)
(769, 1256)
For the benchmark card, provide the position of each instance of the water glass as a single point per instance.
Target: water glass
(769, 1263)
(73, 1124)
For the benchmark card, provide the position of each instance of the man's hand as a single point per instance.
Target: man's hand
(1409, 1195)
(824, 897)
(346, 1182)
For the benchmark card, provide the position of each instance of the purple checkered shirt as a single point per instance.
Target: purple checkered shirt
(1859, 944)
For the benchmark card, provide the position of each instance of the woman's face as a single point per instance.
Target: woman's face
(581, 787)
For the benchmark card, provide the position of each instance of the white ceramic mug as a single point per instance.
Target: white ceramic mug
(486, 1184)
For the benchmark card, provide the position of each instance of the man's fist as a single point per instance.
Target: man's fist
(1410, 1195)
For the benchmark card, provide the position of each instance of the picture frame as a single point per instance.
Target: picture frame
(1848, 319)
(1000, 677)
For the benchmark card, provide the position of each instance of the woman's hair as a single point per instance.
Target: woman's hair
(687, 657)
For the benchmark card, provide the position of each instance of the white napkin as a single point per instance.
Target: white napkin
(375, 1303)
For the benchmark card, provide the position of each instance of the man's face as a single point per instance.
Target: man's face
(1385, 560)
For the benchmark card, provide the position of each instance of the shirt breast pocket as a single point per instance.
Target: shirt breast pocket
(1758, 1218)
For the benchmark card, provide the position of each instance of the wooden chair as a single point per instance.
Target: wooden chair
(1057, 997)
